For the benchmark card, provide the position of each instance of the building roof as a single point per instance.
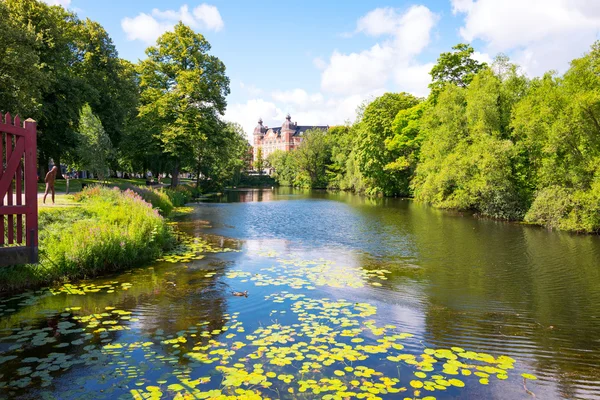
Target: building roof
(298, 130)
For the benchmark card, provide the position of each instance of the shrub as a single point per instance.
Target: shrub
(108, 230)
(560, 208)
(180, 195)
(157, 197)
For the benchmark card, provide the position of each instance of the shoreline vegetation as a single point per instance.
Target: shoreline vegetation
(488, 139)
(100, 230)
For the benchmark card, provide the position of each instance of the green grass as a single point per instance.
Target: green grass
(93, 232)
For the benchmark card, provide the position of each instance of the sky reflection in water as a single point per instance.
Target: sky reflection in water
(387, 267)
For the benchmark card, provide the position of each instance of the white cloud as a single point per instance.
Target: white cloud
(148, 27)
(348, 79)
(248, 113)
(483, 57)
(538, 34)
(298, 97)
(414, 79)
(305, 108)
(64, 3)
(319, 63)
(405, 36)
(378, 22)
(251, 89)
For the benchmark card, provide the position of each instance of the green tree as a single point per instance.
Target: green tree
(56, 33)
(312, 157)
(94, 148)
(372, 132)
(184, 90)
(557, 126)
(21, 80)
(284, 168)
(405, 144)
(222, 162)
(464, 162)
(259, 164)
(457, 67)
(111, 85)
(341, 145)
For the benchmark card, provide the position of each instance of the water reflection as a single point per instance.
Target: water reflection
(495, 286)
(451, 280)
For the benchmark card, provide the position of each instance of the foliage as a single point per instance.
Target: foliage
(558, 207)
(405, 143)
(20, 78)
(180, 195)
(307, 165)
(94, 147)
(457, 67)
(371, 133)
(107, 230)
(311, 158)
(259, 164)
(223, 157)
(183, 91)
(158, 198)
(465, 163)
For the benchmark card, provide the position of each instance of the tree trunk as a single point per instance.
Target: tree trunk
(198, 177)
(175, 177)
(42, 169)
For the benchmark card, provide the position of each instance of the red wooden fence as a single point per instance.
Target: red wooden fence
(18, 191)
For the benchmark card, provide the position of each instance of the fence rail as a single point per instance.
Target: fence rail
(18, 191)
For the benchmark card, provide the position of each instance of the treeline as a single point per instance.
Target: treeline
(98, 112)
(487, 139)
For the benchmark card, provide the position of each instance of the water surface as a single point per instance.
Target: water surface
(457, 298)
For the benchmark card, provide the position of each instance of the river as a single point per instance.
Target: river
(347, 297)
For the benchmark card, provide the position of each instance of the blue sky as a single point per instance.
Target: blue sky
(318, 60)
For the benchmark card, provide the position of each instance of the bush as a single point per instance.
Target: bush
(180, 195)
(108, 230)
(560, 208)
(157, 197)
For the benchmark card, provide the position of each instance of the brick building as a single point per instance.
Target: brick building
(286, 138)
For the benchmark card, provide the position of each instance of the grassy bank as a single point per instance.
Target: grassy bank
(98, 230)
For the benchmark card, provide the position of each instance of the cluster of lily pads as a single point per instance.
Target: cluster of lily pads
(308, 274)
(85, 288)
(191, 248)
(307, 347)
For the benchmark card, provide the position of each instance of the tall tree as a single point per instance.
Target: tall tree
(21, 80)
(457, 67)
(63, 93)
(111, 88)
(94, 148)
(405, 144)
(259, 164)
(465, 163)
(372, 132)
(182, 87)
(312, 158)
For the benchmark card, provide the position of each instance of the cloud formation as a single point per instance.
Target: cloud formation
(349, 79)
(404, 36)
(539, 34)
(148, 27)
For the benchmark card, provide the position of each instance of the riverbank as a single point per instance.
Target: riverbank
(95, 231)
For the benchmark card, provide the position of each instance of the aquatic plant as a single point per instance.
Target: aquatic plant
(310, 347)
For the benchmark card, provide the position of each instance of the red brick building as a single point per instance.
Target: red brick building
(286, 138)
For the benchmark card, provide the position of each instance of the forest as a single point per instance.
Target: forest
(100, 113)
(487, 139)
